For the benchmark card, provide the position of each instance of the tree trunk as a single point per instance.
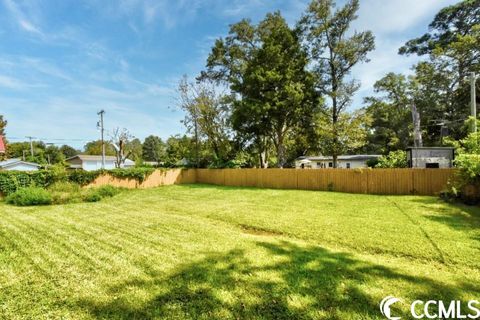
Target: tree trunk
(280, 151)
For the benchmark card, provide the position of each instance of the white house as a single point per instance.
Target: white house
(19, 165)
(91, 163)
(343, 161)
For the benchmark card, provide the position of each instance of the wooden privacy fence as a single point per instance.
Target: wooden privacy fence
(373, 181)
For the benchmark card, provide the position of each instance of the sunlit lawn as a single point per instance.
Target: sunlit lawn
(193, 252)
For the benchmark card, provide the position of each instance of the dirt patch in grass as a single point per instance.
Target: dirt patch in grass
(259, 231)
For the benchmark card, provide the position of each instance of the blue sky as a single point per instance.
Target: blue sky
(63, 60)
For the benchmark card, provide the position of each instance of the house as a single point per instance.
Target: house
(430, 157)
(91, 163)
(18, 165)
(343, 161)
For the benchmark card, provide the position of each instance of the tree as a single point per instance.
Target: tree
(136, 148)
(350, 132)
(265, 66)
(180, 151)
(53, 155)
(391, 115)
(394, 159)
(153, 149)
(206, 117)
(448, 25)
(120, 139)
(68, 151)
(452, 44)
(95, 148)
(334, 54)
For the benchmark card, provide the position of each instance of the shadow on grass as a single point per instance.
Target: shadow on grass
(295, 283)
(456, 215)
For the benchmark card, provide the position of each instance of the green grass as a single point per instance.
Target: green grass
(205, 252)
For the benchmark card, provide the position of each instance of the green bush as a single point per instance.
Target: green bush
(92, 195)
(64, 186)
(107, 191)
(394, 159)
(139, 174)
(30, 196)
(65, 192)
(83, 178)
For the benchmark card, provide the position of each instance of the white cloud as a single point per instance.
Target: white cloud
(11, 83)
(383, 17)
(21, 18)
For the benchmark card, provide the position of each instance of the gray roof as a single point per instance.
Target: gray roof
(87, 157)
(431, 148)
(12, 162)
(342, 157)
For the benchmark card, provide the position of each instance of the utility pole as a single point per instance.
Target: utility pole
(473, 101)
(102, 130)
(31, 144)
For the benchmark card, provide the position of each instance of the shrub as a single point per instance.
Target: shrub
(92, 195)
(83, 178)
(64, 186)
(394, 159)
(107, 191)
(30, 196)
(139, 174)
(65, 192)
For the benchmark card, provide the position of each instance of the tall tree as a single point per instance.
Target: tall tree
(95, 148)
(334, 53)
(136, 148)
(391, 115)
(154, 149)
(265, 66)
(350, 133)
(68, 151)
(206, 117)
(53, 155)
(180, 151)
(452, 44)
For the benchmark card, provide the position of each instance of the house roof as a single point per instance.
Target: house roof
(2, 145)
(12, 162)
(341, 157)
(431, 148)
(87, 157)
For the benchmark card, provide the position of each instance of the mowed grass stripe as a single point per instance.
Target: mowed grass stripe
(286, 219)
(58, 245)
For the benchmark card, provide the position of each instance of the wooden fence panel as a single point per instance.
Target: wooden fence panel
(431, 181)
(309, 180)
(390, 181)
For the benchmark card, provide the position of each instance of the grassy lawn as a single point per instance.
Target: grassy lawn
(205, 252)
